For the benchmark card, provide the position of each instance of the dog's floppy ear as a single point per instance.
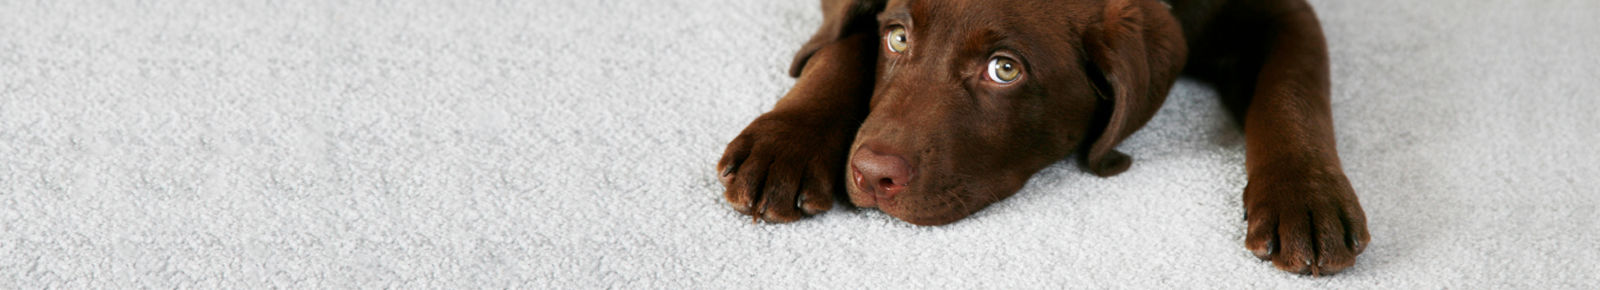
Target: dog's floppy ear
(839, 19)
(1138, 49)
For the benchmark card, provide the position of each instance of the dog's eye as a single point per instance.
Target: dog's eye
(1004, 70)
(896, 39)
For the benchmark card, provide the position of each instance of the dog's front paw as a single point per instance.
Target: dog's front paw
(784, 166)
(1305, 221)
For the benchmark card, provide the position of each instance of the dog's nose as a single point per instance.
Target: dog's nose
(883, 175)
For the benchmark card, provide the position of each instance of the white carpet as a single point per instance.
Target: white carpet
(570, 144)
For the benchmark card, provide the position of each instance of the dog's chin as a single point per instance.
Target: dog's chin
(917, 208)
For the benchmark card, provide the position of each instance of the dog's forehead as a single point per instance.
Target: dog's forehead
(941, 11)
(1011, 17)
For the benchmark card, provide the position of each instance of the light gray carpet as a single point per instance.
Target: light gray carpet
(570, 144)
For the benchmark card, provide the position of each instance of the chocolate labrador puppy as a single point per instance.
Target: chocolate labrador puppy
(931, 110)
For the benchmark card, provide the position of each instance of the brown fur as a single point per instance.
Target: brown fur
(1092, 73)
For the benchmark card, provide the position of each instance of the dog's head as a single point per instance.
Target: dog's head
(974, 97)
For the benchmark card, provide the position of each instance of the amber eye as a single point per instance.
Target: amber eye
(896, 39)
(1004, 70)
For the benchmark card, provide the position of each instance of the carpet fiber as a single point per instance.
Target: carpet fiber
(570, 144)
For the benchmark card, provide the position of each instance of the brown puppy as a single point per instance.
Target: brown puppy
(931, 110)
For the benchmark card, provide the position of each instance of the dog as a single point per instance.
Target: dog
(930, 110)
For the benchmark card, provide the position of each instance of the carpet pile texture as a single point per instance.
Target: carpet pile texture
(570, 144)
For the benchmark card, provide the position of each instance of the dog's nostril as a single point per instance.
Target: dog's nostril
(887, 184)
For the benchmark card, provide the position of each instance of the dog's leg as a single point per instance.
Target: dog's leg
(789, 162)
(1302, 213)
